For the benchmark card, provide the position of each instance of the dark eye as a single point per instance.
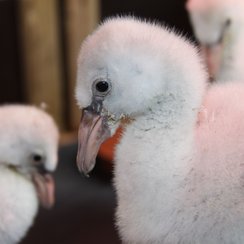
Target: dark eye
(37, 158)
(101, 87)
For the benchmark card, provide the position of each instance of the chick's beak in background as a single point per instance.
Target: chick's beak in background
(45, 188)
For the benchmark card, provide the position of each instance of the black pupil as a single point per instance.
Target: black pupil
(37, 158)
(102, 86)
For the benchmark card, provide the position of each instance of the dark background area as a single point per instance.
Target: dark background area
(169, 12)
(10, 70)
(84, 211)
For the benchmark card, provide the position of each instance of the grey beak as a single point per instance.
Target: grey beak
(93, 131)
(45, 187)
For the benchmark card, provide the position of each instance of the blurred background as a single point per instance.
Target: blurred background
(39, 43)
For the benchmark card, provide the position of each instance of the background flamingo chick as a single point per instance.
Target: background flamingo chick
(28, 153)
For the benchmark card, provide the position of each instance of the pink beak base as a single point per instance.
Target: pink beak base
(45, 188)
(93, 131)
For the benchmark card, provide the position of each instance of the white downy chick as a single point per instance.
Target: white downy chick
(179, 165)
(219, 27)
(28, 154)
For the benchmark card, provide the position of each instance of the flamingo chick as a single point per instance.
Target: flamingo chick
(179, 167)
(28, 154)
(219, 27)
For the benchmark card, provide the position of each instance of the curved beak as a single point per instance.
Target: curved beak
(93, 131)
(213, 52)
(45, 187)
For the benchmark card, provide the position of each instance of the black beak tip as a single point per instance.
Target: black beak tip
(86, 175)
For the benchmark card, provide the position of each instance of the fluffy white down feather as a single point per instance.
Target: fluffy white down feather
(219, 27)
(24, 130)
(179, 172)
(19, 206)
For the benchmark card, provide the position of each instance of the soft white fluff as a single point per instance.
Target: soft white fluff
(179, 165)
(208, 19)
(24, 130)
